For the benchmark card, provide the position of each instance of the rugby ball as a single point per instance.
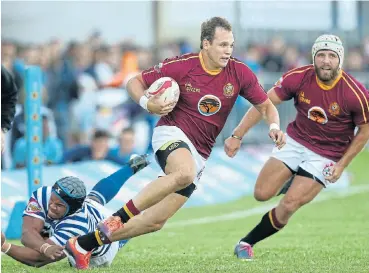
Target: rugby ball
(167, 87)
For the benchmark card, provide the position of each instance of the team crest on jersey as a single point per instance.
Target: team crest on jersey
(228, 90)
(334, 109)
(209, 105)
(318, 115)
(33, 206)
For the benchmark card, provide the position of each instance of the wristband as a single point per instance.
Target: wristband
(236, 137)
(143, 102)
(274, 126)
(7, 250)
(44, 247)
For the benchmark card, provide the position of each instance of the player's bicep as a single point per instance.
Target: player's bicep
(140, 79)
(30, 226)
(273, 96)
(364, 129)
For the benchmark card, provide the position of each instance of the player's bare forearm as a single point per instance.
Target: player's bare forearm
(251, 118)
(32, 239)
(28, 256)
(356, 145)
(136, 88)
(271, 114)
(257, 113)
(31, 230)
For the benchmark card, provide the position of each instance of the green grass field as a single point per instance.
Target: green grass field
(331, 235)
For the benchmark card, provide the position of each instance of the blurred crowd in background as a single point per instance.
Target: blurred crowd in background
(87, 114)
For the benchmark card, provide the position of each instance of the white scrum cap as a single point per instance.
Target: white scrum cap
(328, 42)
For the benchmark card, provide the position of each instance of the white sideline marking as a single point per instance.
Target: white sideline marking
(257, 210)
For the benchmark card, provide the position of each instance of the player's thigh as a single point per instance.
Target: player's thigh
(271, 179)
(165, 209)
(303, 190)
(180, 160)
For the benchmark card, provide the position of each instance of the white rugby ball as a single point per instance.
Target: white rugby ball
(167, 86)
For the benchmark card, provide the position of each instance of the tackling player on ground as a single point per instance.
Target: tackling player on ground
(321, 142)
(55, 214)
(210, 82)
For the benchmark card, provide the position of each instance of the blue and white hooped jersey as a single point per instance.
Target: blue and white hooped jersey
(81, 222)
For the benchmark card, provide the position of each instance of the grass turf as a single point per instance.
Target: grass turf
(327, 236)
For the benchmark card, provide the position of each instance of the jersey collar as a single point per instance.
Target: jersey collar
(328, 87)
(211, 72)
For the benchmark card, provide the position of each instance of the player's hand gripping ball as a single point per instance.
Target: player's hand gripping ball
(163, 96)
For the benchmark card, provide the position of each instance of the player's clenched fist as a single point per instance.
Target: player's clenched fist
(278, 137)
(231, 146)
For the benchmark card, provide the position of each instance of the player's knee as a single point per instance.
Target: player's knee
(290, 205)
(260, 194)
(185, 177)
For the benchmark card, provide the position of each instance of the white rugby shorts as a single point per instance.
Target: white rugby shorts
(164, 134)
(295, 155)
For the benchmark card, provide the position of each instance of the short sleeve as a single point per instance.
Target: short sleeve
(251, 89)
(287, 86)
(34, 208)
(174, 68)
(359, 106)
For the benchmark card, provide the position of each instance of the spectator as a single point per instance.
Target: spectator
(52, 147)
(273, 61)
(100, 69)
(126, 145)
(98, 150)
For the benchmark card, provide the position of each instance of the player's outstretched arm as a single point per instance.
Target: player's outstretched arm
(257, 113)
(31, 232)
(27, 255)
(252, 117)
(356, 146)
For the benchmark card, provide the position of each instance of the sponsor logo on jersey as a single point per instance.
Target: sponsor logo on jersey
(33, 206)
(228, 90)
(302, 98)
(209, 105)
(189, 88)
(318, 115)
(334, 109)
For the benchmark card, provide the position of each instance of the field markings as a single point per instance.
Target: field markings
(334, 194)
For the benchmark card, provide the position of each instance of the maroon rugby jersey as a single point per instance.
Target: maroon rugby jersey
(206, 97)
(326, 115)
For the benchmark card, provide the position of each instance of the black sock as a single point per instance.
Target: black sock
(267, 227)
(128, 211)
(95, 239)
(89, 241)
